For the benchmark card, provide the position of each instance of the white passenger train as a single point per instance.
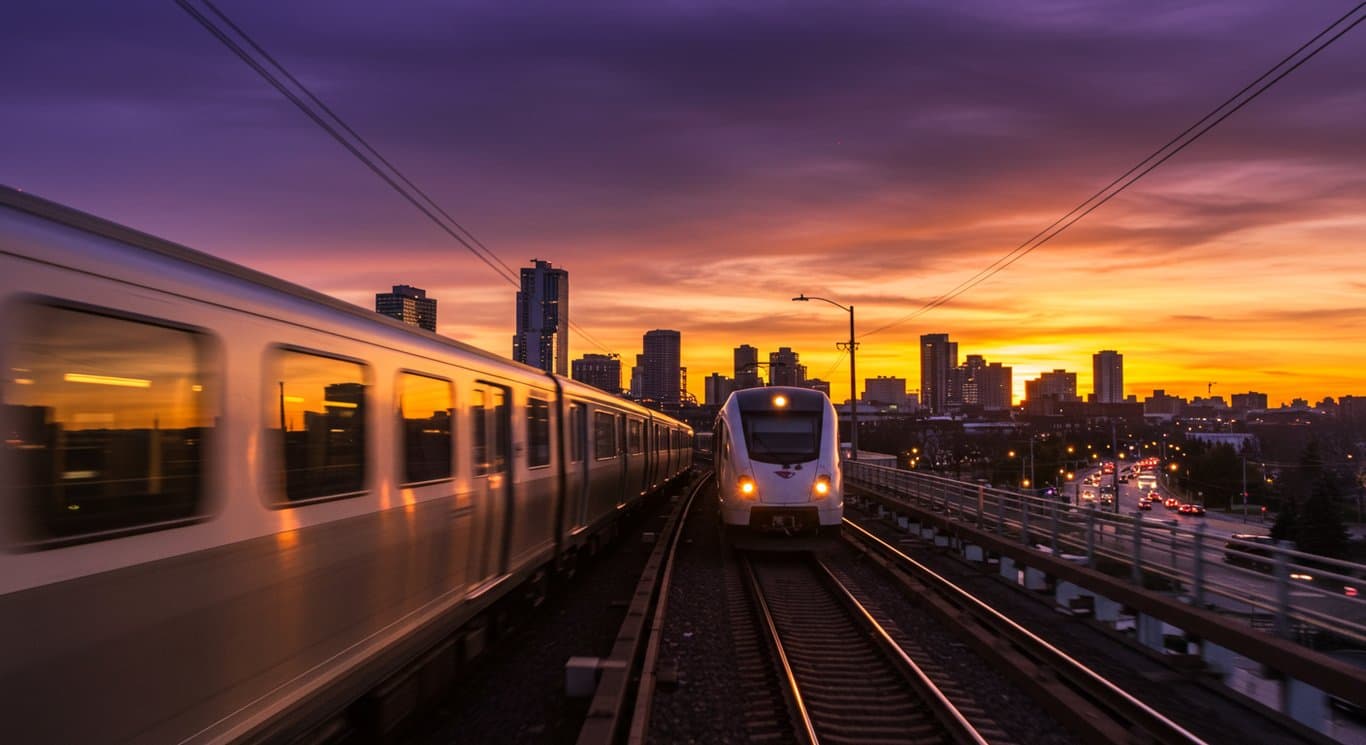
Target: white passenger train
(233, 508)
(778, 471)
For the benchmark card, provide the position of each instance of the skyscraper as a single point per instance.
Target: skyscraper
(746, 367)
(1107, 368)
(600, 371)
(717, 388)
(660, 376)
(938, 357)
(542, 338)
(408, 304)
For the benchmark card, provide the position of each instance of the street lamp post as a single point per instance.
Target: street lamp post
(853, 374)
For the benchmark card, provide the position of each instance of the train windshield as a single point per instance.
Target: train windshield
(790, 437)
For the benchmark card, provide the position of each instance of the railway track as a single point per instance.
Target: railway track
(845, 679)
(1096, 709)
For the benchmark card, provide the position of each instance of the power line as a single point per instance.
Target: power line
(1138, 171)
(392, 176)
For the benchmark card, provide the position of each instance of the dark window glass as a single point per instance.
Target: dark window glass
(659, 438)
(635, 436)
(790, 437)
(498, 448)
(538, 432)
(107, 419)
(424, 410)
(479, 432)
(577, 432)
(604, 436)
(319, 405)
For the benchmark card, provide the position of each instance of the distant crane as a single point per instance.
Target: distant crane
(1209, 388)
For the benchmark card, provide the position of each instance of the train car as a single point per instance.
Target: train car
(236, 509)
(778, 473)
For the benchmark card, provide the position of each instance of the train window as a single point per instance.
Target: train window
(319, 405)
(604, 436)
(787, 437)
(659, 437)
(424, 412)
(577, 432)
(635, 437)
(538, 432)
(107, 422)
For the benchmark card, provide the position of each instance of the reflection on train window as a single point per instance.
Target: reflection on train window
(479, 431)
(604, 436)
(424, 408)
(538, 432)
(577, 432)
(319, 404)
(634, 438)
(488, 420)
(107, 422)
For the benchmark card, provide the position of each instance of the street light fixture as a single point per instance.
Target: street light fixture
(853, 375)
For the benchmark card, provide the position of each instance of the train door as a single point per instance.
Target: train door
(578, 466)
(623, 449)
(492, 474)
(648, 478)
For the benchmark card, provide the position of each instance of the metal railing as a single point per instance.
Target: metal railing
(1265, 583)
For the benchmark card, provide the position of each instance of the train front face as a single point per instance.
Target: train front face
(781, 473)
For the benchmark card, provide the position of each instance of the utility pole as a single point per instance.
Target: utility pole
(1114, 447)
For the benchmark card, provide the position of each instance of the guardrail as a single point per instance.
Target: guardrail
(1265, 583)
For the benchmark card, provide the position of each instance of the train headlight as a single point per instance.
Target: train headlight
(748, 490)
(821, 489)
(780, 401)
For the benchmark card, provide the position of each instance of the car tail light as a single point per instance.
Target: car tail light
(821, 489)
(748, 490)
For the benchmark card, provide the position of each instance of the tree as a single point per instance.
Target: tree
(1319, 529)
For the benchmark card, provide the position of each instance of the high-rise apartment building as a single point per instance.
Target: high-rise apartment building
(784, 368)
(995, 387)
(408, 304)
(542, 338)
(660, 378)
(1108, 376)
(1250, 401)
(1058, 385)
(938, 358)
(600, 371)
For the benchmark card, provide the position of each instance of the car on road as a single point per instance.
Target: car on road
(1192, 509)
(1247, 550)
(1153, 496)
(1144, 504)
(1172, 503)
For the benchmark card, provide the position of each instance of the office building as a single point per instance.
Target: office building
(746, 367)
(661, 377)
(717, 389)
(1108, 377)
(885, 391)
(542, 338)
(600, 371)
(938, 358)
(784, 368)
(408, 304)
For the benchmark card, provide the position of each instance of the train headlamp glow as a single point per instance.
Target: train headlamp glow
(821, 488)
(780, 400)
(748, 490)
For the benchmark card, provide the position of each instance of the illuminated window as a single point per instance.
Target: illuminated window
(317, 415)
(107, 420)
(538, 432)
(424, 411)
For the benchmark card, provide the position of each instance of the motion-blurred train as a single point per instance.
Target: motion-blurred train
(236, 509)
(778, 471)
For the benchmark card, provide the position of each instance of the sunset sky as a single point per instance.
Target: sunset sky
(694, 165)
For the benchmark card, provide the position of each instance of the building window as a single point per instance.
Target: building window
(425, 406)
(538, 432)
(108, 418)
(318, 409)
(604, 436)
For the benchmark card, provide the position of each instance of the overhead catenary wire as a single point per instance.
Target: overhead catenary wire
(357, 145)
(1145, 166)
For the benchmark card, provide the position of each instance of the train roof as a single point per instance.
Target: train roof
(796, 399)
(46, 209)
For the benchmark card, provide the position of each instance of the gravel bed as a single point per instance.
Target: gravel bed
(514, 693)
(1011, 709)
(707, 703)
(1195, 703)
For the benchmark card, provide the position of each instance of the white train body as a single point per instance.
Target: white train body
(233, 506)
(778, 463)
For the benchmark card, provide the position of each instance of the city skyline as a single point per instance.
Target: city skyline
(697, 167)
